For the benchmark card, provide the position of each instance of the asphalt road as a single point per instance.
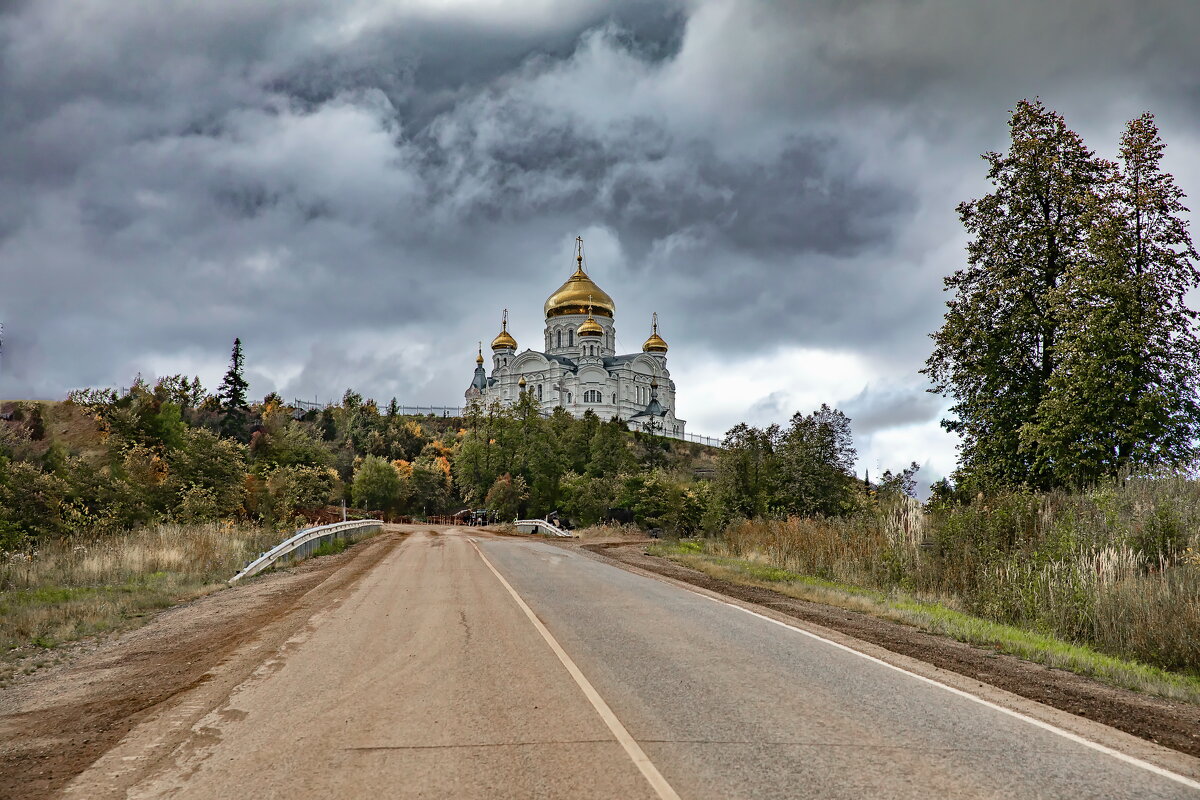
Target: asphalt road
(465, 665)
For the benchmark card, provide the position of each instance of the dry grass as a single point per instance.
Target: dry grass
(1115, 568)
(76, 587)
(610, 532)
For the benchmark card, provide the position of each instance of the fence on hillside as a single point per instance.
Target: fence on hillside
(458, 411)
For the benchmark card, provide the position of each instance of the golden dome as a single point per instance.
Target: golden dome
(504, 339)
(655, 344)
(572, 296)
(521, 382)
(590, 327)
(479, 358)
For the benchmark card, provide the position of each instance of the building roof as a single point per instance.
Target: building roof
(653, 409)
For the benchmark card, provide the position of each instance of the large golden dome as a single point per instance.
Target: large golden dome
(574, 295)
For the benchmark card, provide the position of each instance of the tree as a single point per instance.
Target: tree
(506, 496)
(816, 464)
(900, 484)
(429, 484)
(1123, 394)
(232, 394)
(233, 388)
(609, 449)
(376, 485)
(997, 348)
(748, 469)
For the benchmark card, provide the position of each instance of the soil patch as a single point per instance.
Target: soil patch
(1172, 725)
(58, 721)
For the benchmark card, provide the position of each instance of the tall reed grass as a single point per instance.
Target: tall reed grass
(77, 586)
(1116, 568)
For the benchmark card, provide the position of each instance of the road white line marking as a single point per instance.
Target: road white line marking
(1137, 762)
(635, 752)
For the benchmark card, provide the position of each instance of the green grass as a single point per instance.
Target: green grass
(937, 618)
(332, 547)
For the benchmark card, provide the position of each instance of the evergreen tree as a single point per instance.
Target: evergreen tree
(232, 395)
(1124, 391)
(233, 388)
(996, 351)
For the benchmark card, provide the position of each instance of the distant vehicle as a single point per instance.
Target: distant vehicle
(621, 516)
(559, 521)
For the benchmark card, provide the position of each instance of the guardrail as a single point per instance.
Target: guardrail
(541, 525)
(303, 542)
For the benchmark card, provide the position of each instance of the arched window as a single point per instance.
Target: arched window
(539, 392)
(568, 397)
(571, 338)
(592, 396)
(614, 399)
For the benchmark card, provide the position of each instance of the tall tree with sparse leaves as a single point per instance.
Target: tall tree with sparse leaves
(996, 351)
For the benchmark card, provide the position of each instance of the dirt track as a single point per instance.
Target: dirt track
(53, 725)
(1173, 725)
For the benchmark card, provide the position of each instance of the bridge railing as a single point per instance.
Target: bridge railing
(541, 526)
(303, 542)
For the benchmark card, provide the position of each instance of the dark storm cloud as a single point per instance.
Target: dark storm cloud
(356, 189)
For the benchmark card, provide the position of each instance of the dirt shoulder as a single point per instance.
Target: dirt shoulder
(1172, 725)
(56, 722)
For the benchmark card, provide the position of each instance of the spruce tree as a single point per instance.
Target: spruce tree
(995, 353)
(232, 394)
(233, 388)
(1124, 394)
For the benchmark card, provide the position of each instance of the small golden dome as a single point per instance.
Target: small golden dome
(590, 327)
(521, 382)
(479, 358)
(504, 339)
(655, 343)
(572, 296)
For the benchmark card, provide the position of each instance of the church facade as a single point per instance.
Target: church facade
(578, 367)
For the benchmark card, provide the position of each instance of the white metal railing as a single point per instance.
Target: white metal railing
(695, 437)
(303, 542)
(458, 411)
(543, 526)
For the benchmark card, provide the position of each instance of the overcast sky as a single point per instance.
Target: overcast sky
(357, 189)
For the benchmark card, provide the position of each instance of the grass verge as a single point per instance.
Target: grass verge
(941, 620)
(73, 588)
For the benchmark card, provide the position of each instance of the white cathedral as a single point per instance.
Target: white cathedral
(579, 368)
